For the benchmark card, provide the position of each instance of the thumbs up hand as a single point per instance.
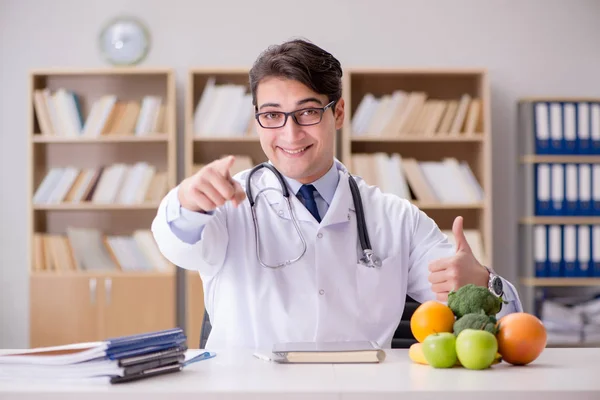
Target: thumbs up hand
(451, 273)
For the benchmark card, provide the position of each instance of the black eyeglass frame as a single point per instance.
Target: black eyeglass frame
(293, 115)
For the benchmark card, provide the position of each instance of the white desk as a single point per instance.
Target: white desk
(565, 374)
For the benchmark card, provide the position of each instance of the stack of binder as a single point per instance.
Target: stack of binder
(566, 188)
(566, 127)
(119, 360)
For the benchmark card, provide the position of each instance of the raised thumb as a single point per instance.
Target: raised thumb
(459, 236)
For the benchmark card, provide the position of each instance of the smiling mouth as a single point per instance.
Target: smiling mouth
(297, 151)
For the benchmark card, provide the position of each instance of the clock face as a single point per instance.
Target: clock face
(124, 41)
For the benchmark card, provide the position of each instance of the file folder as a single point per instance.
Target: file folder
(584, 246)
(569, 250)
(569, 129)
(585, 189)
(596, 189)
(584, 143)
(555, 251)
(557, 188)
(571, 205)
(556, 128)
(541, 128)
(129, 346)
(595, 272)
(542, 191)
(540, 233)
(595, 128)
(119, 359)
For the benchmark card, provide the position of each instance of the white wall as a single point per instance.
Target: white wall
(531, 47)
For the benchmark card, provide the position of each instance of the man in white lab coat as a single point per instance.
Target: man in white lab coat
(206, 224)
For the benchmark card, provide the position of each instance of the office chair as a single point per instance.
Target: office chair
(403, 337)
(205, 331)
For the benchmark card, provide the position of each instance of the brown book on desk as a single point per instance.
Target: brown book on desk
(328, 352)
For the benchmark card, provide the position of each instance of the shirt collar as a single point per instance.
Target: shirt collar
(325, 185)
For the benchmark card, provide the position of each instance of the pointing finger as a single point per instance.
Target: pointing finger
(223, 185)
(223, 166)
(240, 194)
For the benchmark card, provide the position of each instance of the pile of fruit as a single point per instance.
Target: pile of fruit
(466, 333)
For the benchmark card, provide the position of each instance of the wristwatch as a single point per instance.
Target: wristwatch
(495, 283)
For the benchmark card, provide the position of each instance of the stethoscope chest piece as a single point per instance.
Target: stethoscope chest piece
(370, 260)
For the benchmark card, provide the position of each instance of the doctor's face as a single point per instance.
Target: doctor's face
(303, 151)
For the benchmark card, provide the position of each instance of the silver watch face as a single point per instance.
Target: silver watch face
(496, 286)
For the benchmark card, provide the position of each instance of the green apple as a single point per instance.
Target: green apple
(476, 349)
(439, 350)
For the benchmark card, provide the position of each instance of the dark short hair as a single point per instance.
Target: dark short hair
(302, 61)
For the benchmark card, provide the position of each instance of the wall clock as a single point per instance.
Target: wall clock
(124, 41)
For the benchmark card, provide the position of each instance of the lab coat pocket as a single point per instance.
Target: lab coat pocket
(381, 293)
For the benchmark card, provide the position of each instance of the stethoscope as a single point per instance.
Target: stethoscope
(368, 259)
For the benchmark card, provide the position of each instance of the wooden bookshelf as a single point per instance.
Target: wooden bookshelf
(231, 131)
(224, 124)
(419, 115)
(115, 127)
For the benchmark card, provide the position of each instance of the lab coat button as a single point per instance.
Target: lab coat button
(280, 212)
(319, 235)
(321, 292)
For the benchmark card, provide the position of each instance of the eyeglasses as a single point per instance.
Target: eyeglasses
(303, 117)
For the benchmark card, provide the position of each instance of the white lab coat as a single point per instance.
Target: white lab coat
(327, 295)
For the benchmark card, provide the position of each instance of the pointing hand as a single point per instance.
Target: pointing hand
(211, 187)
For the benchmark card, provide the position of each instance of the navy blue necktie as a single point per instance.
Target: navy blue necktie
(306, 191)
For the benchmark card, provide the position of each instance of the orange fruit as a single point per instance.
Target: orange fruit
(521, 338)
(431, 317)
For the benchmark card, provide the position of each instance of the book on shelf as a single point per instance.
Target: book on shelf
(433, 182)
(60, 113)
(224, 110)
(118, 183)
(416, 113)
(114, 360)
(88, 249)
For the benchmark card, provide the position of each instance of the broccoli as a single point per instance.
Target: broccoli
(477, 320)
(472, 298)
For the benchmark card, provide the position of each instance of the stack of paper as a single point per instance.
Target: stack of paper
(119, 359)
